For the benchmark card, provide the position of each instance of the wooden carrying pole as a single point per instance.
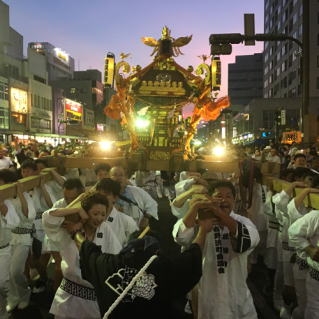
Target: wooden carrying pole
(271, 179)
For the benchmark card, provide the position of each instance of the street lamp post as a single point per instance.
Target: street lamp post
(221, 44)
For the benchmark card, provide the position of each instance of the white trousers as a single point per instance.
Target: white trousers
(312, 306)
(18, 284)
(5, 255)
(300, 288)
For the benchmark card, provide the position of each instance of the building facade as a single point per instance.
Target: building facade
(245, 79)
(14, 85)
(81, 96)
(292, 70)
(290, 73)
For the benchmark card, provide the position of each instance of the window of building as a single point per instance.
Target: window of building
(284, 66)
(278, 72)
(268, 119)
(39, 123)
(278, 56)
(266, 69)
(4, 91)
(290, 60)
(292, 76)
(4, 118)
(270, 79)
(300, 30)
(283, 83)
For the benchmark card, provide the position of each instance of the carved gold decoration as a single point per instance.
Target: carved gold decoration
(162, 89)
(166, 36)
(159, 155)
(204, 69)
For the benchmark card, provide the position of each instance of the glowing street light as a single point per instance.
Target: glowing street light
(219, 150)
(142, 123)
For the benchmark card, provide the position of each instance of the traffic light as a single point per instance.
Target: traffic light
(216, 68)
(226, 38)
(221, 43)
(278, 118)
(221, 49)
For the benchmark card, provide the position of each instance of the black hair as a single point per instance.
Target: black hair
(301, 172)
(288, 173)
(224, 183)
(108, 185)
(102, 167)
(29, 163)
(74, 183)
(42, 161)
(96, 198)
(8, 176)
(315, 181)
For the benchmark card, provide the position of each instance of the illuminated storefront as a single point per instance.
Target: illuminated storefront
(19, 106)
(73, 111)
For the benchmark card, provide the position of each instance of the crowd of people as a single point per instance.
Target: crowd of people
(95, 227)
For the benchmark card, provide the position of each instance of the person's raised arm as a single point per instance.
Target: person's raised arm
(183, 197)
(23, 201)
(67, 211)
(44, 192)
(205, 226)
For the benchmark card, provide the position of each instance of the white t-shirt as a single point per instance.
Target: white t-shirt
(5, 162)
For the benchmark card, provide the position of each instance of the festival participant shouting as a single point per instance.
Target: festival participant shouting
(75, 298)
(222, 290)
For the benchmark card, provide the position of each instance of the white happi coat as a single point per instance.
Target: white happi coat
(7, 222)
(65, 304)
(25, 222)
(122, 225)
(143, 203)
(304, 232)
(222, 290)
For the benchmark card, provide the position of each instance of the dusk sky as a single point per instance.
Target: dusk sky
(87, 30)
